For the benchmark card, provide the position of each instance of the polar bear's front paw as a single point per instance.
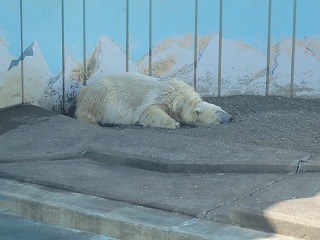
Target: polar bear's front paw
(172, 124)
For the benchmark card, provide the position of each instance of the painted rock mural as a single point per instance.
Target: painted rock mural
(46, 63)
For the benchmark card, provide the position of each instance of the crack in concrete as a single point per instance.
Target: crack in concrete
(248, 195)
(303, 160)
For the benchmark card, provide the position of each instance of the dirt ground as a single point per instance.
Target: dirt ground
(280, 122)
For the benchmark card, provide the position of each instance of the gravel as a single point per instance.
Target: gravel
(280, 122)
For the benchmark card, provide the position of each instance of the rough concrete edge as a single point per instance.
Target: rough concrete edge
(42, 226)
(36, 203)
(28, 105)
(159, 165)
(310, 165)
(43, 157)
(263, 220)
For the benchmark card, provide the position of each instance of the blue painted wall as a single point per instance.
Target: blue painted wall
(70, 42)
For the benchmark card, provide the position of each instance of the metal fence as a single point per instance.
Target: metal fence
(50, 48)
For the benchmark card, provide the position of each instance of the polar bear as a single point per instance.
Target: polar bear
(133, 98)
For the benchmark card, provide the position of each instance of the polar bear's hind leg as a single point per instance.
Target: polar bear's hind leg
(87, 117)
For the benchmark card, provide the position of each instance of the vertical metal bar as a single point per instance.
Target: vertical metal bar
(84, 45)
(268, 50)
(21, 54)
(293, 46)
(220, 50)
(63, 60)
(127, 36)
(150, 37)
(195, 53)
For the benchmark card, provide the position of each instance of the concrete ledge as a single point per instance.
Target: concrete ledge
(30, 133)
(190, 166)
(16, 228)
(112, 218)
(43, 157)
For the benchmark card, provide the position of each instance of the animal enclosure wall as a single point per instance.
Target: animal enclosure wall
(51, 48)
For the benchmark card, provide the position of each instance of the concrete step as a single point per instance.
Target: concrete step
(254, 200)
(29, 133)
(190, 194)
(234, 158)
(17, 228)
(113, 218)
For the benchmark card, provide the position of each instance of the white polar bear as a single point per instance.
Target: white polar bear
(133, 98)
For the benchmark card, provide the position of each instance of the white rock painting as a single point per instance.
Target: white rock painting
(36, 76)
(306, 72)
(107, 58)
(243, 69)
(10, 81)
(170, 57)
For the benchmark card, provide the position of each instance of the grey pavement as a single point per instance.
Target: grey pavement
(205, 180)
(113, 218)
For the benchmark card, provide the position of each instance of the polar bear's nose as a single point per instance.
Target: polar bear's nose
(223, 117)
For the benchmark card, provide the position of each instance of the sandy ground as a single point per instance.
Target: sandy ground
(281, 122)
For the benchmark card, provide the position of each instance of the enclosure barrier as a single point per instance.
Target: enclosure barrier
(51, 48)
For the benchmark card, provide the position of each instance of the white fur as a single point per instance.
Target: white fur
(134, 98)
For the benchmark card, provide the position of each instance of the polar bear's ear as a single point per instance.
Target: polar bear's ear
(197, 112)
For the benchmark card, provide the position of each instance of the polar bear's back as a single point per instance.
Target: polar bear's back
(122, 99)
(133, 82)
(130, 88)
(117, 98)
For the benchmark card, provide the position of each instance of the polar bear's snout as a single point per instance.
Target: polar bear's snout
(223, 117)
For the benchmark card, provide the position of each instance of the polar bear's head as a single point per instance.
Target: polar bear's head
(204, 114)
